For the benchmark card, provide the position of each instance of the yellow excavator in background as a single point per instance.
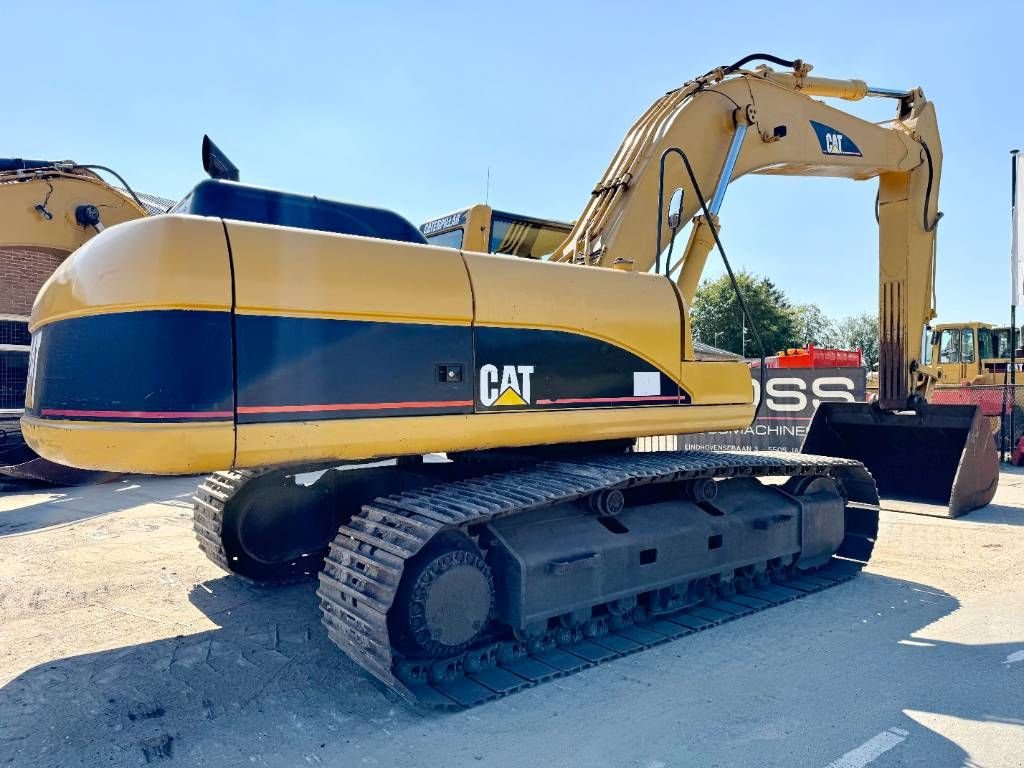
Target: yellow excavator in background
(47, 210)
(973, 361)
(972, 353)
(284, 336)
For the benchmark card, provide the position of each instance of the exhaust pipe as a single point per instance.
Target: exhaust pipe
(940, 461)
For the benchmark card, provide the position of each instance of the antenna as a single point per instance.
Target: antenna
(487, 189)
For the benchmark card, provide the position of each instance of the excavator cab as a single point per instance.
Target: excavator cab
(482, 229)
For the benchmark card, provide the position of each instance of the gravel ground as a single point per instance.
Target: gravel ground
(121, 645)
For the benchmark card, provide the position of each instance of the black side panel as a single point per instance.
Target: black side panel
(295, 369)
(165, 365)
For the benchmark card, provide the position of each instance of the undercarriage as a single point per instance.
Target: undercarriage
(459, 582)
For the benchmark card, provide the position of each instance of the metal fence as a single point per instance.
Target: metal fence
(13, 373)
(1002, 405)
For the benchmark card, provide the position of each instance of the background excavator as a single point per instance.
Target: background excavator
(973, 360)
(47, 210)
(321, 334)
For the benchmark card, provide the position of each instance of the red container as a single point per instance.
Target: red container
(816, 357)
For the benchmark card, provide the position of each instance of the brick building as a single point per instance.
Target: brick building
(22, 272)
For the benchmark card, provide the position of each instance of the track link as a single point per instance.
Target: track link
(366, 560)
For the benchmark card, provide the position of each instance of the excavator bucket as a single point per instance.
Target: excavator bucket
(940, 462)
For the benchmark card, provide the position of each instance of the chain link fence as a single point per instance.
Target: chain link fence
(1001, 404)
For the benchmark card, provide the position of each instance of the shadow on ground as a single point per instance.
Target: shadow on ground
(1001, 514)
(268, 688)
(47, 507)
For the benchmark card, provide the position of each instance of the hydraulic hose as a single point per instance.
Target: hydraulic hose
(760, 57)
(114, 173)
(728, 269)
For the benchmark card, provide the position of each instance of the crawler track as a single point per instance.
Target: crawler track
(365, 563)
(211, 498)
(208, 503)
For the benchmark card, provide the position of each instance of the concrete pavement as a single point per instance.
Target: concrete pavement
(121, 645)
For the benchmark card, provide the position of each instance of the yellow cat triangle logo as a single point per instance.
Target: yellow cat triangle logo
(510, 397)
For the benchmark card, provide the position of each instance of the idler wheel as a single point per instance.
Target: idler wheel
(445, 599)
(274, 530)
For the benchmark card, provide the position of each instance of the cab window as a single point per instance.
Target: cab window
(520, 236)
(1001, 339)
(985, 350)
(450, 239)
(967, 345)
(949, 346)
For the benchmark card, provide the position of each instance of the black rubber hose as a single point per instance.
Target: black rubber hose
(118, 176)
(928, 194)
(732, 277)
(759, 57)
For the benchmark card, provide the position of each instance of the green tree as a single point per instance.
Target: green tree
(859, 332)
(812, 326)
(717, 319)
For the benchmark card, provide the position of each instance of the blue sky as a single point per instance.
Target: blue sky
(406, 105)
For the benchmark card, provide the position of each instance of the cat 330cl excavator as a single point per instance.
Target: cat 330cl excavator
(293, 339)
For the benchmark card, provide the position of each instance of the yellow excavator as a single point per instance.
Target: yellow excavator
(973, 360)
(47, 210)
(296, 340)
(970, 353)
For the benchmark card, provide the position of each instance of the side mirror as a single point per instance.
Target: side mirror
(675, 209)
(216, 163)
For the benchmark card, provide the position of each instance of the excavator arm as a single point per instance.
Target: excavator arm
(694, 141)
(732, 122)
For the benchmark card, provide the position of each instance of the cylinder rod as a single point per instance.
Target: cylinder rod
(728, 167)
(887, 93)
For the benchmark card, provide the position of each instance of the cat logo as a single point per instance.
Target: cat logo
(833, 142)
(510, 388)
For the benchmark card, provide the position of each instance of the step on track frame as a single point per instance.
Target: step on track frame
(365, 562)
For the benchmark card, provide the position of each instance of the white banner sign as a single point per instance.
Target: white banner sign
(1017, 236)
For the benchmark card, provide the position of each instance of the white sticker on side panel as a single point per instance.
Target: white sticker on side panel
(646, 383)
